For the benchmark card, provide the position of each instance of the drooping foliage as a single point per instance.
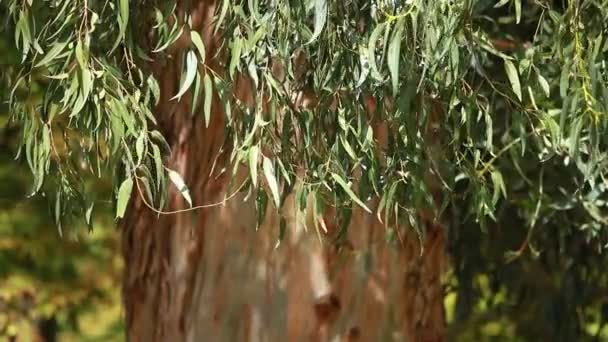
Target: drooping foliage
(544, 97)
(517, 85)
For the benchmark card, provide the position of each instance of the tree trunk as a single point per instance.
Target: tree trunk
(208, 275)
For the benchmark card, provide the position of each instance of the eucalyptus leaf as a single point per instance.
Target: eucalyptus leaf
(122, 199)
(513, 78)
(191, 71)
(179, 183)
(271, 179)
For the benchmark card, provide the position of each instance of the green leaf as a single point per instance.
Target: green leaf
(517, 11)
(156, 135)
(575, 137)
(191, 70)
(123, 20)
(235, 55)
(223, 12)
(52, 53)
(154, 88)
(124, 193)
(349, 191)
(364, 65)
(140, 145)
(253, 164)
(208, 85)
(170, 40)
(564, 80)
(158, 165)
(58, 213)
(198, 43)
(81, 55)
(501, 3)
(124, 15)
(499, 186)
(272, 181)
(179, 183)
(513, 78)
(320, 19)
(371, 50)
(87, 82)
(394, 50)
(89, 213)
(544, 85)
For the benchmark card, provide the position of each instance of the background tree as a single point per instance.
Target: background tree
(434, 116)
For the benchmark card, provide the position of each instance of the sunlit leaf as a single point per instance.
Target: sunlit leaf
(320, 19)
(513, 78)
(253, 163)
(208, 89)
(198, 43)
(52, 53)
(394, 50)
(349, 191)
(122, 199)
(272, 181)
(191, 70)
(544, 85)
(371, 50)
(179, 183)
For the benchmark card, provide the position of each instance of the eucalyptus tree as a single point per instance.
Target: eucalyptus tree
(316, 151)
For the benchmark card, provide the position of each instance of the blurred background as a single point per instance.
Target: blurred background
(53, 288)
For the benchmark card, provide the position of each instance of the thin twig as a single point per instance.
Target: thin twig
(160, 212)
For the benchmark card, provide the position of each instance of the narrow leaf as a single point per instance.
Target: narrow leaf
(371, 50)
(320, 19)
(501, 3)
(499, 186)
(140, 145)
(235, 55)
(208, 98)
(158, 165)
(52, 53)
(544, 85)
(365, 67)
(124, 192)
(253, 164)
(349, 192)
(198, 43)
(191, 70)
(394, 49)
(564, 80)
(177, 180)
(513, 78)
(272, 181)
(223, 11)
(89, 213)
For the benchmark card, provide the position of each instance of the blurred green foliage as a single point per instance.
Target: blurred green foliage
(64, 288)
(69, 286)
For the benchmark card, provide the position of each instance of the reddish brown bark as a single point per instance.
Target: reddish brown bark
(209, 275)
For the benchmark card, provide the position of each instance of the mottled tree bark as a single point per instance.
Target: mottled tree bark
(208, 275)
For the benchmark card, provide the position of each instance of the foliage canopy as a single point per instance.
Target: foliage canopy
(520, 86)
